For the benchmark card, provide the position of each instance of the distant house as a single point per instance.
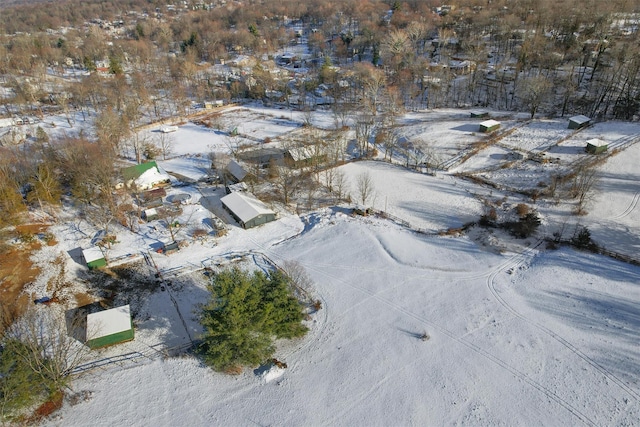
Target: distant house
(489, 126)
(301, 156)
(596, 146)
(235, 171)
(168, 129)
(210, 105)
(479, 114)
(145, 176)
(578, 122)
(152, 198)
(263, 156)
(247, 210)
(109, 327)
(94, 258)
(169, 248)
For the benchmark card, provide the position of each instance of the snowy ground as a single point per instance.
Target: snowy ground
(519, 334)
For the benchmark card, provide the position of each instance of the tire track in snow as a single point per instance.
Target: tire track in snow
(479, 350)
(517, 261)
(629, 208)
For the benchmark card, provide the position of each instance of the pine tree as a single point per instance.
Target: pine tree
(245, 314)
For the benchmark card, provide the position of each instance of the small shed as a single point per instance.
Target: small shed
(489, 126)
(169, 248)
(479, 114)
(109, 327)
(596, 146)
(247, 209)
(150, 214)
(94, 257)
(168, 129)
(578, 122)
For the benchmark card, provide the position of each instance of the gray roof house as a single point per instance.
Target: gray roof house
(247, 209)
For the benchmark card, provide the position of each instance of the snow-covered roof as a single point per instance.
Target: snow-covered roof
(151, 177)
(245, 206)
(597, 142)
(236, 170)
(580, 119)
(489, 123)
(301, 153)
(109, 322)
(92, 254)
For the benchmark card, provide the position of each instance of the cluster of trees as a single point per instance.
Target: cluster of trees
(246, 312)
(519, 51)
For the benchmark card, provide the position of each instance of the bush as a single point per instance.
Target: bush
(522, 210)
(582, 240)
(525, 227)
(245, 314)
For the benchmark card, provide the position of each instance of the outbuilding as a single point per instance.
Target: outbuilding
(109, 327)
(235, 171)
(596, 146)
(94, 257)
(247, 209)
(479, 114)
(489, 126)
(579, 122)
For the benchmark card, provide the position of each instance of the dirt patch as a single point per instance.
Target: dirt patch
(16, 271)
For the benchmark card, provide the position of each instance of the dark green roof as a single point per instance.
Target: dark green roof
(135, 171)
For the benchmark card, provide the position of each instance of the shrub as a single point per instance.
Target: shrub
(524, 228)
(522, 210)
(582, 240)
(244, 315)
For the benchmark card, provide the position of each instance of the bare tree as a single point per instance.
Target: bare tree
(585, 177)
(165, 142)
(340, 185)
(44, 341)
(364, 187)
(534, 91)
(286, 181)
(365, 127)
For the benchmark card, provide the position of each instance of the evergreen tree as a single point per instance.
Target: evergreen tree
(245, 314)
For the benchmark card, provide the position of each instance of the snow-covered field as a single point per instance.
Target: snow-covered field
(518, 334)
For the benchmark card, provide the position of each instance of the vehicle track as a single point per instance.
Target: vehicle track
(515, 262)
(630, 208)
(482, 352)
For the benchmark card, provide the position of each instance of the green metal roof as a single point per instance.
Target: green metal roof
(135, 171)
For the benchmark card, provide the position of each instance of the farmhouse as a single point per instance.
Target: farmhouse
(109, 327)
(578, 122)
(301, 156)
(489, 126)
(263, 156)
(145, 176)
(596, 146)
(247, 210)
(94, 258)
